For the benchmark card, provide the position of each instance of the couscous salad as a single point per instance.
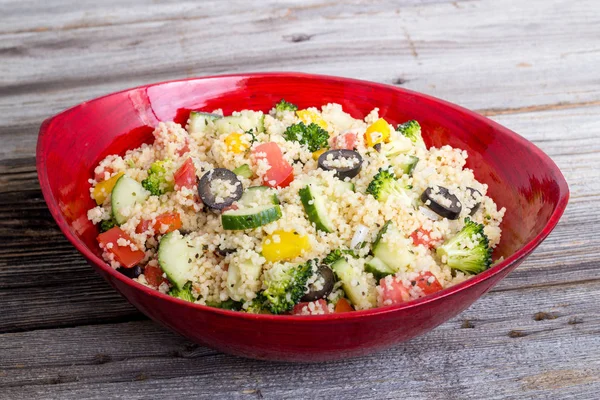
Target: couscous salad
(298, 211)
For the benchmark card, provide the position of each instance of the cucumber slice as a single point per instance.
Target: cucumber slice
(396, 257)
(239, 274)
(345, 186)
(199, 120)
(378, 268)
(356, 284)
(255, 196)
(174, 255)
(244, 171)
(250, 218)
(236, 123)
(126, 193)
(404, 164)
(381, 232)
(314, 206)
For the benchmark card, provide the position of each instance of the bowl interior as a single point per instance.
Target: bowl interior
(520, 177)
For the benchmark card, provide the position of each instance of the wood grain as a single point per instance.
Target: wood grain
(64, 333)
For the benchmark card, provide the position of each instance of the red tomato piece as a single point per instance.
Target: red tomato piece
(281, 173)
(393, 292)
(346, 141)
(99, 176)
(154, 275)
(428, 283)
(320, 305)
(422, 237)
(185, 176)
(343, 305)
(123, 254)
(183, 150)
(173, 220)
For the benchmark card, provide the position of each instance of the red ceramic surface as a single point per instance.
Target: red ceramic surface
(520, 177)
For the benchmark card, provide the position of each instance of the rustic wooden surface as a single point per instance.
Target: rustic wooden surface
(532, 66)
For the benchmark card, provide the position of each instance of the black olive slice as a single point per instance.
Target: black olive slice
(133, 272)
(477, 196)
(328, 159)
(212, 178)
(325, 281)
(442, 202)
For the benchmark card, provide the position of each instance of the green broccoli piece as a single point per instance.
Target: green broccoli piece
(285, 285)
(385, 184)
(257, 306)
(337, 254)
(185, 293)
(156, 182)
(226, 305)
(285, 106)
(311, 135)
(412, 130)
(107, 224)
(469, 251)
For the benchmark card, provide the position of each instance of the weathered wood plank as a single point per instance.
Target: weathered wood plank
(525, 57)
(533, 342)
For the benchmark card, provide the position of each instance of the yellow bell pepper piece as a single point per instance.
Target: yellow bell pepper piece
(103, 189)
(236, 143)
(377, 132)
(282, 245)
(308, 116)
(317, 154)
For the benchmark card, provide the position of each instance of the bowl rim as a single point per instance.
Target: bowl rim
(96, 261)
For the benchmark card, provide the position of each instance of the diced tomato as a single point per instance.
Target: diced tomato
(428, 283)
(393, 292)
(423, 237)
(183, 150)
(343, 305)
(99, 176)
(154, 275)
(320, 305)
(281, 173)
(346, 141)
(185, 176)
(173, 220)
(123, 254)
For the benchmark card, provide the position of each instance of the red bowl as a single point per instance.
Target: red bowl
(520, 177)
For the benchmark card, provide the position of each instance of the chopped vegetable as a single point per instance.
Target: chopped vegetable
(412, 130)
(284, 245)
(171, 220)
(103, 189)
(311, 135)
(280, 173)
(124, 255)
(467, 251)
(185, 293)
(244, 171)
(377, 132)
(312, 117)
(285, 285)
(384, 185)
(285, 106)
(342, 306)
(185, 176)
(236, 143)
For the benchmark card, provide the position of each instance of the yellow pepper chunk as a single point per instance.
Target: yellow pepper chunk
(103, 189)
(282, 245)
(308, 116)
(377, 132)
(236, 143)
(317, 154)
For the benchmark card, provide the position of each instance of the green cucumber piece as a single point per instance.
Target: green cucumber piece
(404, 164)
(126, 193)
(244, 171)
(396, 257)
(357, 287)
(174, 256)
(250, 218)
(381, 232)
(314, 206)
(238, 274)
(198, 121)
(378, 268)
(349, 186)
(241, 123)
(255, 196)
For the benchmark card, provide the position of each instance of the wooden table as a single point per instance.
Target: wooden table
(530, 65)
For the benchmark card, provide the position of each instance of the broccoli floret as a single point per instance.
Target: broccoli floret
(311, 135)
(384, 185)
(156, 182)
(285, 285)
(257, 306)
(185, 293)
(107, 224)
(285, 106)
(469, 251)
(412, 130)
(335, 255)
(226, 305)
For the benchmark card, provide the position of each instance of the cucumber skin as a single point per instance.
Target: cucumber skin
(345, 273)
(165, 263)
(274, 198)
(119, 219)
(192, 124)
(311, 211)
(378, 268)
(244, 171)
(242, 222)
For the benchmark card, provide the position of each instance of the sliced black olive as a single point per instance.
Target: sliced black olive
(325, 281)
(209, 198)
(377, 147)
(477, 196)
(133, 272)
(341, 172)
(442, 202)
(224, 252)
